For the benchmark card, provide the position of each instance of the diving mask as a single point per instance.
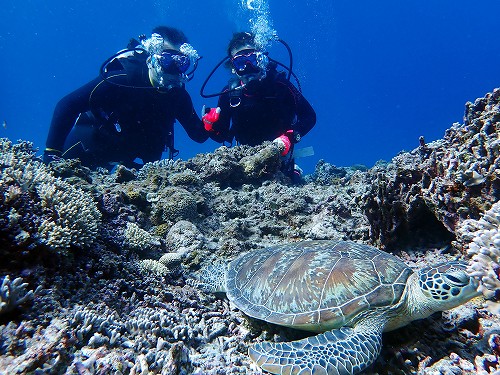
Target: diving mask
(172, 61)
(249, 61)
(169, 66)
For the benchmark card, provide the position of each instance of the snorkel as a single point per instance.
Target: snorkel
(265, 62)
(159, 79)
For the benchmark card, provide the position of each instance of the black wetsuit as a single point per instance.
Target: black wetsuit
(119, 124)
(266, 109)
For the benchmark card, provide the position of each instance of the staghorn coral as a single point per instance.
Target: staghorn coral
(152, 339)
(482, 239)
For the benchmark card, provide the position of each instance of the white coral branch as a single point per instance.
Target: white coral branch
(13, 293)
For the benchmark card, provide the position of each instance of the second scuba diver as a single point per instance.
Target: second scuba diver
(259, 103)
(129, 111)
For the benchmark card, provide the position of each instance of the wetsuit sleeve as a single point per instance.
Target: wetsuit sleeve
(222, 131)
(306, 116)
(66, 112)
(188, 118)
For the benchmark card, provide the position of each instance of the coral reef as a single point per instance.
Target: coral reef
(450, 180)
(112, 256)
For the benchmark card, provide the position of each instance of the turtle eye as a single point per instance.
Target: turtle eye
(456, 281)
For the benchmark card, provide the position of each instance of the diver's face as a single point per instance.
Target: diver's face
(247, 61)
(157, 76)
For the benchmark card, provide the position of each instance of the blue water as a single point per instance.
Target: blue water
(378, 73)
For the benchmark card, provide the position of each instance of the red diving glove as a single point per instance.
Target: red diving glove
(286, 140)
(210, 115)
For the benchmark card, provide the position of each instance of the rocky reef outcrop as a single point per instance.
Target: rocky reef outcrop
(97, 265)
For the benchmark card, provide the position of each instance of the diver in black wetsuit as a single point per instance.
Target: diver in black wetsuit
(128, 112)
(259, 103)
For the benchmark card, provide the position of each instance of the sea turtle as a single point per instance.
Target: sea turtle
(347, 292)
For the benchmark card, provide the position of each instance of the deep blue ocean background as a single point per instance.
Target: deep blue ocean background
(378, 73)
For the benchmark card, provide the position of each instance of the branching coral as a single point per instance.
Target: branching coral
(39, 208)
(139, 239)
(13, 293)
(165, 266)
(72, 216)
(157, 170)
(149, 266)
(483, 236)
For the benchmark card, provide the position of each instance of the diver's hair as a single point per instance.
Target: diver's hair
(239, 40)
(173, 35)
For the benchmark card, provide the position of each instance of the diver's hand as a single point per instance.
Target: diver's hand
(51, 154)
(286, 140)
(210, 116)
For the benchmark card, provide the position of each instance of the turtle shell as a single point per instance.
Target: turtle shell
(315, 285)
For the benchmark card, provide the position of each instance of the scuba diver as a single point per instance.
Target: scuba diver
(259, 103)
(128, 111)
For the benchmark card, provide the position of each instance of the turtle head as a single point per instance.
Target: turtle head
(447, 285)
(212, 278)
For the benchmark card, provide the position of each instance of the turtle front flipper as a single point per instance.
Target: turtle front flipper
(343, 351)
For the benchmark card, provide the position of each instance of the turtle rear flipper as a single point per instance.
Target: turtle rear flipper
(343, 351)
